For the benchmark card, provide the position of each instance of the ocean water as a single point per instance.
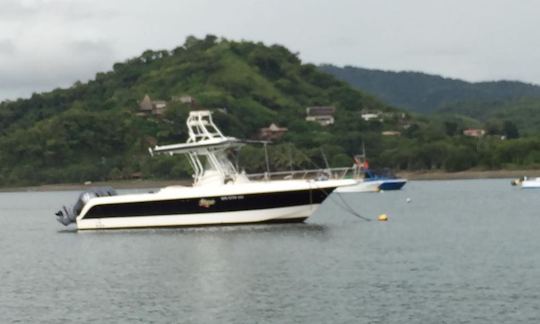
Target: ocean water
(457, 252)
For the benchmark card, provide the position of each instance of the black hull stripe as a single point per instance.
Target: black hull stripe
(215, 204)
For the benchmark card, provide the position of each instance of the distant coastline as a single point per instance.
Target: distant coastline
(469, 174)
(121, 184)
(146, 184)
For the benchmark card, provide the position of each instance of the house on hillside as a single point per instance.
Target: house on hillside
(159, 107)
(367, 116)
(149, 107)
(474, 132)
(185, 99)
(146, 106)
(272, 132)
(324, 115)
(391, 133)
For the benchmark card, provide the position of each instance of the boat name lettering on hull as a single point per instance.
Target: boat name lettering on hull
(206, 203)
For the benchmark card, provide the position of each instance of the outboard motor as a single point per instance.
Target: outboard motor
(67, 216)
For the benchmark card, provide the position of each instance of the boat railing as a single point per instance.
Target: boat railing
(315, 174)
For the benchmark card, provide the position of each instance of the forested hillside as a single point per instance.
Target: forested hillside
(93, 131)
(522, 112)
(426, 93)
(487, 102)
(98, 130)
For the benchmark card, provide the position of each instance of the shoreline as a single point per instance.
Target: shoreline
(468, 175)
(120, 184)
(146, 184)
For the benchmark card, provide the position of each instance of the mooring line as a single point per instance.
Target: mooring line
(345, 206)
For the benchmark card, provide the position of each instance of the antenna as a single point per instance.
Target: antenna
(266, 157)
(324, 158)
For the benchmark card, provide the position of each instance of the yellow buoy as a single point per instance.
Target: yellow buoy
(382, 218)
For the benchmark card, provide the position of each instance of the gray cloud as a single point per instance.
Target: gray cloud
(12, 9)
(74, 10)
(7, 47)
(49, 43)
(29, 70)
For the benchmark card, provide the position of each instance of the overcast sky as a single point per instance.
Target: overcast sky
(46, 44)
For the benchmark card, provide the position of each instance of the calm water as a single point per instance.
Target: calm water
(459, 252)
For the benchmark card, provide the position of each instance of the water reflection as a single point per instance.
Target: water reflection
(293, 229)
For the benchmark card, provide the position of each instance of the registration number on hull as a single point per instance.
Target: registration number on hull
(225, 198)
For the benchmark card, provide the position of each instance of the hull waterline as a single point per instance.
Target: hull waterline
(275, 215)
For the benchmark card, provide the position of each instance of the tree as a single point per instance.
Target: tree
(450, 128)
(510, 130)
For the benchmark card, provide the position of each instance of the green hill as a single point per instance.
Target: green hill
(97, 130)
(93, 131)
(425, 93)
(523, 112)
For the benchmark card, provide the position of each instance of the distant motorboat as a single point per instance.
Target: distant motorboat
(533, 183)
(385, 178)
(372, 179)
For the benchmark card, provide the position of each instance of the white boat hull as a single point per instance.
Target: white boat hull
(531, 184)
(253, 202)
(286, 214)
(361, 186)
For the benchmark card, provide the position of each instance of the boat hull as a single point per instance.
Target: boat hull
(530, 184)
(275, 201)
(361, 186)
(274, 215)
(392, 184)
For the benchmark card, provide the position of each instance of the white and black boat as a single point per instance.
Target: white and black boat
(219, 195)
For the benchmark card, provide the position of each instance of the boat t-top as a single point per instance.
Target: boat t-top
(220, 194)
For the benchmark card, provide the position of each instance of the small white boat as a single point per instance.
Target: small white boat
(533, 183)
(370, 180)
(386, 179)
(219, 195)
